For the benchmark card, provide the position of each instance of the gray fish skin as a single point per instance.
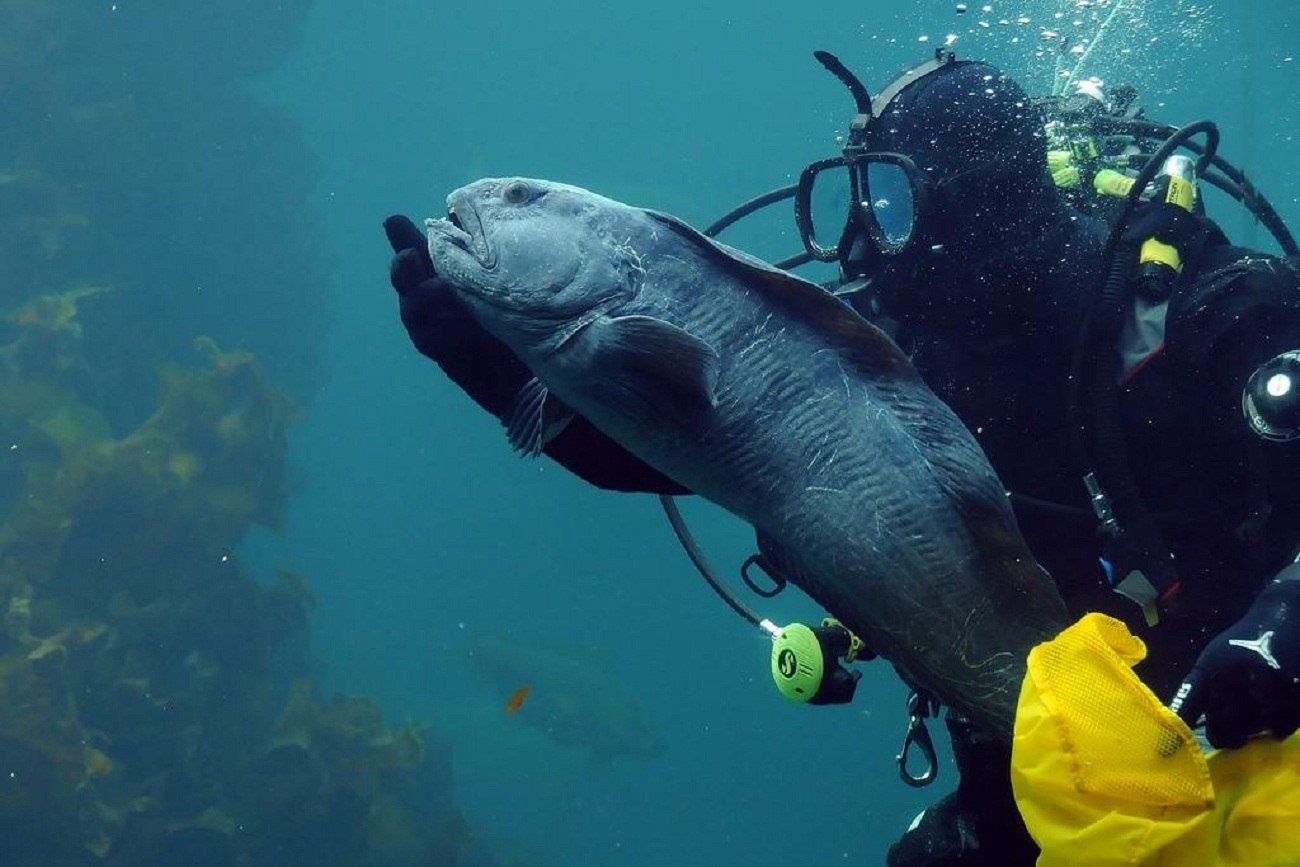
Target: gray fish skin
(766, 395)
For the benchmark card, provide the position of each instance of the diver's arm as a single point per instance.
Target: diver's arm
(442, 329)
(1246, 682)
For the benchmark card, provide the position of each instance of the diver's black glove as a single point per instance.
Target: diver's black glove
(1187, 233)
(1167, 223)
(443, 329)
(1247, 680)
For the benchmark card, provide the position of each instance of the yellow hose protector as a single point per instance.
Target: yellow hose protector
(1105, 774)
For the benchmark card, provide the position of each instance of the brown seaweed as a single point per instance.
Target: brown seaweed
(159, 702)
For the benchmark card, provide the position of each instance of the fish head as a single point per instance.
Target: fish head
(533, 259)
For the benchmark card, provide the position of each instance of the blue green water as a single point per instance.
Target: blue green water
(420, 532)
(688, 108)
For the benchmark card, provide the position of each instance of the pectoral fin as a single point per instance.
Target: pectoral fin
(534, 418)
(651, 368)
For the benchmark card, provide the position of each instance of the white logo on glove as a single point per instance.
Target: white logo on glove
(1177, 704)
(1261, 645)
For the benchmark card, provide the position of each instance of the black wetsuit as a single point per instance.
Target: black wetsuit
(1227, 503)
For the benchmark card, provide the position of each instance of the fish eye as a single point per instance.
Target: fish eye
(516, 193)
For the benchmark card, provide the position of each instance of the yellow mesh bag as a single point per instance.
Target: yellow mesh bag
(1085, 680)
(1105, 774)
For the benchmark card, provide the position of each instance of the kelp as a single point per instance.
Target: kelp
(159, 703)
(150, 686)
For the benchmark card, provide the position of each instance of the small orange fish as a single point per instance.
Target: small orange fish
(517, 700)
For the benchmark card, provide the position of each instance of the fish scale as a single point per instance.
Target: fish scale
(848, 547)
(762, 393)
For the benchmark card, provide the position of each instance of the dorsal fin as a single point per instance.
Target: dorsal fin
(860, 342)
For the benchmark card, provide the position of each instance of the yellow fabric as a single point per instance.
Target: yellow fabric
(1105, 774)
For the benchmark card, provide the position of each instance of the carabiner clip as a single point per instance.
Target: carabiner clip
(918, 736)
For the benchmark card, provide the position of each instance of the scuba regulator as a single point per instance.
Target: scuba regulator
(805, 659)
(805, 662)
(806, 669)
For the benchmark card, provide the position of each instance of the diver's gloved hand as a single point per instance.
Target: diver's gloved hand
(443, 330)
(1247, 680)
(1167, 223)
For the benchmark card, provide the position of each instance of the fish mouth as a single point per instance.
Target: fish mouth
(463, 228)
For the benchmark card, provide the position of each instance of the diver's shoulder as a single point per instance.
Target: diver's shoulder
(1235, 288)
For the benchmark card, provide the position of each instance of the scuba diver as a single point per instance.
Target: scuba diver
(1100, 336)
(1131, 375)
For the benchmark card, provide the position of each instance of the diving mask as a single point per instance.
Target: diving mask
(886, 192)
(882, 194)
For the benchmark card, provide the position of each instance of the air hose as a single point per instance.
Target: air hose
(1096, 367)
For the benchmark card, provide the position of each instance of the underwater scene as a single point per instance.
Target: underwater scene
(276, 592)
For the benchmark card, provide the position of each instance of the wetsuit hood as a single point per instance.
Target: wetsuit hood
(997, 220)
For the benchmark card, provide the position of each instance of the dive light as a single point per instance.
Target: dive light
(1160, 263)
(1271, 398)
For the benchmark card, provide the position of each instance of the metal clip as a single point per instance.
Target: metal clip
(1101, 504)
(918, 708)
